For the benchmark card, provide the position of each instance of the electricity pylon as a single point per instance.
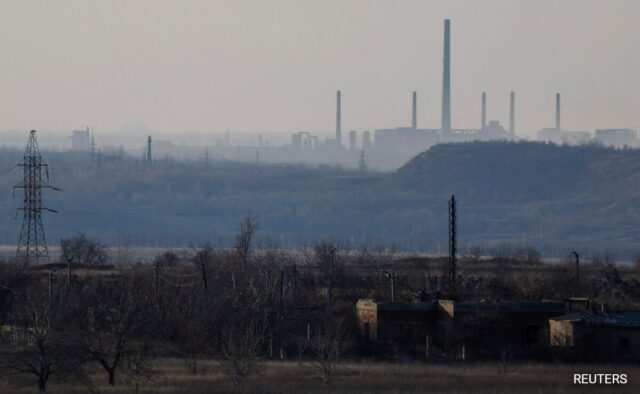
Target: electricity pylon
(32, 244)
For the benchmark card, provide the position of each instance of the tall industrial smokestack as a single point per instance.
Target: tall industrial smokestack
(446, 81)
(149, 157)
(557, 111)
(512, 113)
(483, 122)
(338, 120)
(414, 112)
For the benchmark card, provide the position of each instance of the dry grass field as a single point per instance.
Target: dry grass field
(171, 376)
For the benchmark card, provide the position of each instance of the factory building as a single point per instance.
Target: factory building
(304, 140)
(352, 140)
(406, 142)
(618, 138)
(558, 135)
(81, 140)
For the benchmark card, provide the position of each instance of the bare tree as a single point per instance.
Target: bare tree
(244, 237)
(241, 349)
(251, 315)
(81, 250)
(137, 369)
(115, 311)
(45, 348)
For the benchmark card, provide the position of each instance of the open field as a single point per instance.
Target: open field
(171, 376)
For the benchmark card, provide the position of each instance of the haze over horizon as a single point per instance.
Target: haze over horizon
(208, 66)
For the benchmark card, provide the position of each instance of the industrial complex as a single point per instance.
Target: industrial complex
(382, 149)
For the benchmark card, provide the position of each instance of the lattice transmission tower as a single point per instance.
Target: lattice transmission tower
(32, 244)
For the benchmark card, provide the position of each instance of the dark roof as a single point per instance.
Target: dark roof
(475, 307)
(510, 307)
(627, 319)
(575, 316)
(406, 306)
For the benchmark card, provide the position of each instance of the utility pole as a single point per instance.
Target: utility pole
(206, 157)
(392, 276)
(32, 244)
(452, 245)
(257, 161)
(577, 257)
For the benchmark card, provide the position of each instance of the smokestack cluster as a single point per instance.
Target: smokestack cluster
(446, 81)
(557, 111)
(338, 120)
(414, 112)
(512, 114)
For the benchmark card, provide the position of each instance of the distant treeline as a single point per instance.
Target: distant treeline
(553, 198)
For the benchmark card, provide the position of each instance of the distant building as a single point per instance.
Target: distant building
(618, 138)
(550, 134)
(494, 131)
(352, 140)
(464, 330)
(405, 141)
(597, 336)
(304, 140)
(81, 140)
(560, 136)
(366, 141)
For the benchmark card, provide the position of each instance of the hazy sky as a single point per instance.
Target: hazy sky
(274, 65)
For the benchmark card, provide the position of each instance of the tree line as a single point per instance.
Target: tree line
(239, 306)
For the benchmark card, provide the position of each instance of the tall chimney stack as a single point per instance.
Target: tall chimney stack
(149, 157)
(338, 121)
(512, 113)
(483, 122)
(446, 81)
(557, 111)
(414, 112)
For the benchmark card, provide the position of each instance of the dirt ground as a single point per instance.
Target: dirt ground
(172, 376)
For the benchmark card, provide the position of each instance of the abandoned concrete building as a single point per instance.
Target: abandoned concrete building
(458, 330)
(597, 336)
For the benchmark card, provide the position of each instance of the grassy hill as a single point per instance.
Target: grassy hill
(550, 196)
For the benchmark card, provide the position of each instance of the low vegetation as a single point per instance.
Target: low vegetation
(208, 316)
